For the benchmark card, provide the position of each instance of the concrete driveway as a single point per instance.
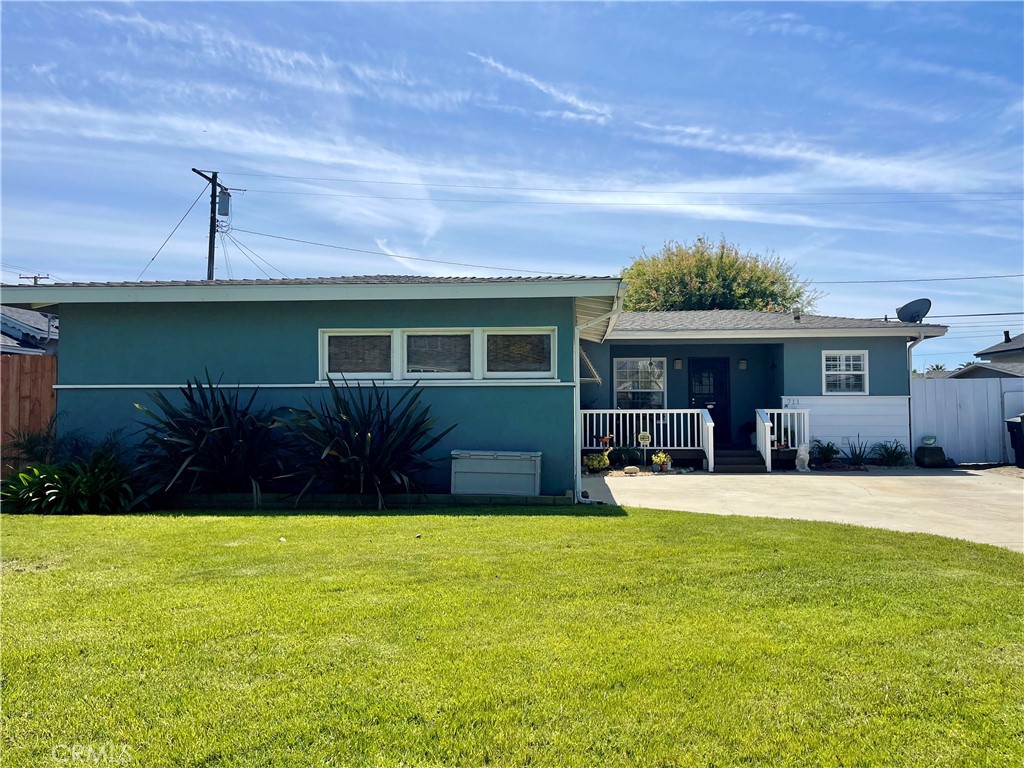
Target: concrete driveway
(986, 506)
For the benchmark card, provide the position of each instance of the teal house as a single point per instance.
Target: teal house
(545, 365)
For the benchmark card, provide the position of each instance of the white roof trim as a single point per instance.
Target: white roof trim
(796, 333)
(43, 296)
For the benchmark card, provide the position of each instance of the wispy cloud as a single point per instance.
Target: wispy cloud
(963, 74)
(793, 25)
(583, 109)
(296, 68)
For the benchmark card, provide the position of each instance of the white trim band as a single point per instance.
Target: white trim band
(323, 384)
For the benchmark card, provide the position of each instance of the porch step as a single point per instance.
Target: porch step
(739, 462)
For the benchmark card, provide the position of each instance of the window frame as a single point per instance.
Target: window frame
(327, 333)
(550, 373)
(864, 373)
(478, 354)
(645, 358)
(404, 335)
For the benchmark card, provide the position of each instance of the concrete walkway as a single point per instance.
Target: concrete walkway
(986, 506)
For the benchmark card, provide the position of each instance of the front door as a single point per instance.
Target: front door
(709, 388)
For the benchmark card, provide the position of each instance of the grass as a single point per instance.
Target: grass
(507, 637)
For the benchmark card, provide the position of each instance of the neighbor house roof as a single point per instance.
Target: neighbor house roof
(1015, 344)
(741, 322)
(30, 322)
(1011, 367)
(11, 346)
(595, 299)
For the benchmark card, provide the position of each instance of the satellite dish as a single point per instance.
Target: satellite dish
(914, 311)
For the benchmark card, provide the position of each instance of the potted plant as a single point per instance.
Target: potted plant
(662, 460)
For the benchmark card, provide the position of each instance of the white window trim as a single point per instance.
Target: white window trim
(824, 387)
(407, 332)
(478, 352)
(327, 333)
(615, 380)
(550, 373)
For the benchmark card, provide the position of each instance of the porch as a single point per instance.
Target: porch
(687, 434)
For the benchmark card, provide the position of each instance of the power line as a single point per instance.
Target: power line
(33, 269)
(916, 280)
(261, 269)
(590, 190)
(239, 244)
(981, 314)
(400, 256)
(620, 203)
(172, 232)
(227, 258)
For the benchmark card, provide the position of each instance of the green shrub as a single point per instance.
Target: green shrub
(661, 458)
(596, 462)
(825, 452)
(213, 443)
(45, 446)
(359, 442)
(98, 485)
(891, 453)
(624, 457)
(858, 453)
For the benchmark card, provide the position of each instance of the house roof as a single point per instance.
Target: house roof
(11, 346)
(733, 322)
(1015, 344)
(31, 322)
(595, 298)
(1012, 367)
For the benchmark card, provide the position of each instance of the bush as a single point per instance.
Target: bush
(624, 457)
(825, 452)
(857, 453)
(891, 453)
(596, 462)
(360, 442)
(45, 446)
(661, 458)
(100, 484)
(213, 443)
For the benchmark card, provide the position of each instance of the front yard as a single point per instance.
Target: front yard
(507, 637)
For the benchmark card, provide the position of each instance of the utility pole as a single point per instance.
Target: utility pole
(215, 187)
(34, 278)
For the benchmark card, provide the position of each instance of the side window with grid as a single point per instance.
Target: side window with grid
(844, 372)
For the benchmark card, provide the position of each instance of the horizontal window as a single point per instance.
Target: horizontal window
(448, 355)
(456, 353)
(359, 354)
(844, 372)
(519, 354)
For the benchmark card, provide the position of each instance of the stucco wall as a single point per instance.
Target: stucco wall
(276, 343)
(887, 364)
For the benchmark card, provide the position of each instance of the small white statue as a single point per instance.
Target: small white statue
(803, 456)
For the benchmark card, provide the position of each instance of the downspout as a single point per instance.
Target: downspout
(577, 442)
(910, 385)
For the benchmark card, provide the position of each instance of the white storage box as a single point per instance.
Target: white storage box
(496, 473)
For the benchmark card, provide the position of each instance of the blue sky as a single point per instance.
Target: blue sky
(562, 138)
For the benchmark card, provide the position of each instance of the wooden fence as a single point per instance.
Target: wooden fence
(27, 398)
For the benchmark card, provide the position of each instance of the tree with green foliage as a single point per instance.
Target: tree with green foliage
(707, 275)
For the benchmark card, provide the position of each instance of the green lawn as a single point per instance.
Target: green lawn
(507, 637)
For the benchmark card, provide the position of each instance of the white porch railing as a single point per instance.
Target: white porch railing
(790, 426)
(670, 429)
(764, 429)
(707, 436)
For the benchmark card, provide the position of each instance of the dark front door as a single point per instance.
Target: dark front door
(709, 388)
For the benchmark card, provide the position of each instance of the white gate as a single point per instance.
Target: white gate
(967, 416)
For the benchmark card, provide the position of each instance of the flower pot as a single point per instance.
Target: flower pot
(655, 468)
(664, 467)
